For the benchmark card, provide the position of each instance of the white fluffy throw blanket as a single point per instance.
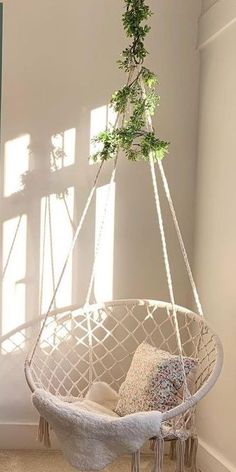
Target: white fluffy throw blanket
(90, 433)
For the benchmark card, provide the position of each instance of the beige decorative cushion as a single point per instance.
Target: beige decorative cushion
(155, 381)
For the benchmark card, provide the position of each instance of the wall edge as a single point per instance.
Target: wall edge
(215, 21)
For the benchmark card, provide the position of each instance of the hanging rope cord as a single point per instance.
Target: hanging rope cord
(98, 244)
(103, 221)
(180, 239)
(51, 249)
(108, 197)
(43, 256)
(149, 126)
(177, 227)
(91, 282)
(97, 251)
(12, 246)
(76, 235)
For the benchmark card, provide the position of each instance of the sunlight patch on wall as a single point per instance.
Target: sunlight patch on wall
(54, 246)
(103, 284)
(63, 149)
(16, 163)
(13, 284)
(101, 118)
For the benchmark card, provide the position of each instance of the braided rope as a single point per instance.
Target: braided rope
(68, 212)
(12, 246)
(149, 127)
(98, 245)
(43, 257)
(180, 239)
(51, 249)
(100, 234)
(77, 232)
(168, 272)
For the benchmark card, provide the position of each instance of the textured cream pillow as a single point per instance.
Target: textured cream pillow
(154, 381)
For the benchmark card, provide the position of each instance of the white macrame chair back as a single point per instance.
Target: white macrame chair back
(73, 352)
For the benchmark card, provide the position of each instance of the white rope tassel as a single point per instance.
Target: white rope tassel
(193, 454)
(180, 455)
(172, 453)
(158, 455)
(187, 456)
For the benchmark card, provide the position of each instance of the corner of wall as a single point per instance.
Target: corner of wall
(210, 461)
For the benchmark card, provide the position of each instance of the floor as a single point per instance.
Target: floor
(43, 461)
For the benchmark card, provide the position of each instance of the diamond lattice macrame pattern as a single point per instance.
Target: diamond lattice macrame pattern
(97, 343)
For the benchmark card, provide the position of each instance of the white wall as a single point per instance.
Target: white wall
(215, 248)
(58, 65)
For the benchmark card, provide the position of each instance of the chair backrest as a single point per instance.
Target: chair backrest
(97, 343)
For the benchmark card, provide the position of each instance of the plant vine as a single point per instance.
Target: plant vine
(133, 137)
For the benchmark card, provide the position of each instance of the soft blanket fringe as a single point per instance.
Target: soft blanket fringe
(44, 432)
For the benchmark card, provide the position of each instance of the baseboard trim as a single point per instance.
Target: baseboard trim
(209, 460)
(215, 21)
(22, 436)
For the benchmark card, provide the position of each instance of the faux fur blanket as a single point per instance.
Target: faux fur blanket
(90, 433)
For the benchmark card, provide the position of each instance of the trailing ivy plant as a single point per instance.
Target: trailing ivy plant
(135, 101)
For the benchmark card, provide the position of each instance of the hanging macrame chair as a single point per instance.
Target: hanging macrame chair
(79, 347)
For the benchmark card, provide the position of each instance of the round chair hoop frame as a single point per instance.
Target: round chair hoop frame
(187, 403)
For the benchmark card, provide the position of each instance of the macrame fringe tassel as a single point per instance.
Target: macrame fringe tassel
(188, 448)
(180, 455)
(158, 455)
(135, 466)
(191, 447)
(44, 432)
(193, 455)
(172, 452)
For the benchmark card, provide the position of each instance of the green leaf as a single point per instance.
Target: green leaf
(132, 138)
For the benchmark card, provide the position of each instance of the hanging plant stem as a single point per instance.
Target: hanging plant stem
(132, 137)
